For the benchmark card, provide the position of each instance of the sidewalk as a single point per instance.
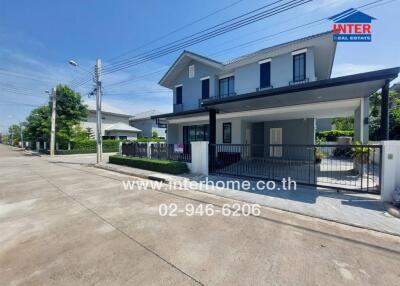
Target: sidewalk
(361, 210)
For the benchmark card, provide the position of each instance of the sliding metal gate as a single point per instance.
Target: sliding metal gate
(347, 167)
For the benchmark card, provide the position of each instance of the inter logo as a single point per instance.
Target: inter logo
(352, 26)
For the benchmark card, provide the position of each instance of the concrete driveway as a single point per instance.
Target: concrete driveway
(63, 223)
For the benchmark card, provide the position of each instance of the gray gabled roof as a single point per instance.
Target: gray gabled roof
(186, 56)
(182, 60)
(122, 127)
(276, 47)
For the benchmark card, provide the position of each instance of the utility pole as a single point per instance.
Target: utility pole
(53, 121)
(99, 140)
(22, 136)
(12, 137)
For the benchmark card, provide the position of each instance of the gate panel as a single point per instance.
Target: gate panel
(348, 167)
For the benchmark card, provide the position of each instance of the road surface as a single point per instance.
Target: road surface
(66, 223)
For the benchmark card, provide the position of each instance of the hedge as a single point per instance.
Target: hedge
(163, 166)
(84, 151)
(91, 144)
(332, 135)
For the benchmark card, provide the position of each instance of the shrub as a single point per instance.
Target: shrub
(91, 144)
(84, 151)
(332, 135)
(145, 139)
(163, 166)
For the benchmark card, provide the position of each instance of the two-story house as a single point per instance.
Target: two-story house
(272, 96)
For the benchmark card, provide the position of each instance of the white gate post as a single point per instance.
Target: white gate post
(390, 178)
(199, 157)
(45, 145)
(120, 148)
(149, 149)
(37, 146)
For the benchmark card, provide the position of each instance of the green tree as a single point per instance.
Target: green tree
(15, 130)
(344, 123)
(70, 111)
(154, 134)
(37, 127)
(375, 115)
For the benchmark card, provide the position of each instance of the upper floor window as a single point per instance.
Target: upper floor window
(205, 88)
(178, 91)
(299, 67)
(191, 71)
(265, 74)
(226, 86)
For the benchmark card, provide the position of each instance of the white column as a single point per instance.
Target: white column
(200, 157)
(45, 145)
(37, 146)
(390, 169)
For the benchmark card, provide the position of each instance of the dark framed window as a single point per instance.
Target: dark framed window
(205, 88)
(226, 86)
(195, 133)
(265, 74)
(178, 95)
(299, 67)
(227, 132)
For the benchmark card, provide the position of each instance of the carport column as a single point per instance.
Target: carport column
(390, 178)
(213, 126)
(385, 112)
(199, 157)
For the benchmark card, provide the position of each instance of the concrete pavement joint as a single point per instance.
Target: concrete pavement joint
(119, 230)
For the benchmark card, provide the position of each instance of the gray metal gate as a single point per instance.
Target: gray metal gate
(346, 167)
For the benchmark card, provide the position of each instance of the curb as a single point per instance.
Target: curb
(247, 201)
(148, 177)
(394, 211)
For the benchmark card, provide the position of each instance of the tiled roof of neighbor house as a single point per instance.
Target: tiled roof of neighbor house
(145, 114)
(106, 108)
(122, 127)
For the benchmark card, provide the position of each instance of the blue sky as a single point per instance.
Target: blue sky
(37, 38)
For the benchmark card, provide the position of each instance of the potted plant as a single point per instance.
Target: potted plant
(319, 155)
(360, 158)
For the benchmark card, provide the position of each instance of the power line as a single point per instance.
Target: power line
(273, 35)
(158, 52)
(190, 40)
(112, 60)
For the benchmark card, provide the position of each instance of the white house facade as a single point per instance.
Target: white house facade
(115, 123)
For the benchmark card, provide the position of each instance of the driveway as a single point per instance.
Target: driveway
(66, 223)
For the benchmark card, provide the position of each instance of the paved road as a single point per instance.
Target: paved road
(62, 223)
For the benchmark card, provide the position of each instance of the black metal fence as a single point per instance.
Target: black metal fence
(350, 167)
(161, 151)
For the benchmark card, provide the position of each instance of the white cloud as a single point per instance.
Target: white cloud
(348, 69)
(137, 94)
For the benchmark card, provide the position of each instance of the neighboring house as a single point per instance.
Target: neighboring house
(115, 122)
(272, 96)
(396, 87)
(147, 125)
